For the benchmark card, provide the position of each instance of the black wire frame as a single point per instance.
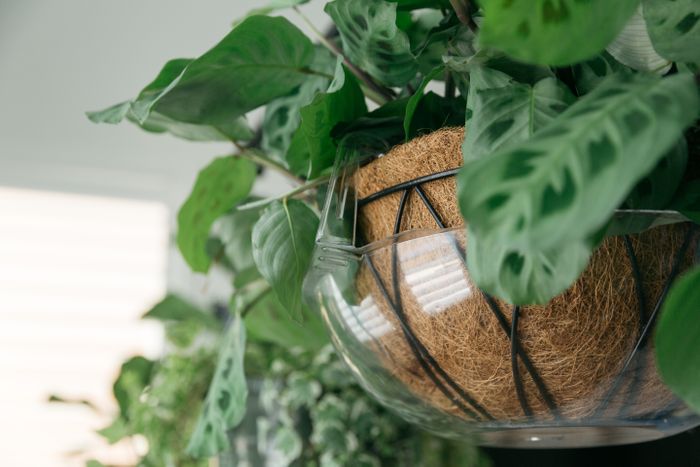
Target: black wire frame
(444, 382)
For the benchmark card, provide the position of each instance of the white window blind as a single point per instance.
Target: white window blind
(76, 273)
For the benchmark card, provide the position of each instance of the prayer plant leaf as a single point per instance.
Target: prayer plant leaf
(656, 190)
(589, 74)
(372, 40)
(283, 241)
(524, 276)
(221, 185)
(312, 148)
(225, 404)
(225, 82)
(282, 116)
(674, 28)
(139, 112)
(504, 111)
(560, 187)
(553, 32)
(678, 339)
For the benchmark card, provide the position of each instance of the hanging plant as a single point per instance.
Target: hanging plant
(573, 113)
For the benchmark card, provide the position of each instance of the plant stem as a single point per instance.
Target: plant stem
(449, 85)
(254, 156)
(379, 94)
(463, 9)
(300, 189)
(249, 306)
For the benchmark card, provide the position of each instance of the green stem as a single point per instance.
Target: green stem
(249, 306)
(254, 156)
(463, 9)
(300, 189)
(379, 94)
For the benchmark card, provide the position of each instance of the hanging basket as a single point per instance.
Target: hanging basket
(389, 276)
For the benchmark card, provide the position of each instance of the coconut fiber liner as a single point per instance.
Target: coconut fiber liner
(572, 359)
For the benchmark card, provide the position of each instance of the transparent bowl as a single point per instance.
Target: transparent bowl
(427, 343)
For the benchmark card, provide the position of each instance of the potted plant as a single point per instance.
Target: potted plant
(578, 139)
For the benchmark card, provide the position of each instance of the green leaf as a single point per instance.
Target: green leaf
(219, 187)
(561, 186)
(301, 390)
(267, 320)
(433, 36)
(225, 82)
(237, 130)
(656, 190)
(678, 339)
(377, 131)
(283, 241)
(687, 200)
(286, 445)
(524, 276)
(553, 32)
(116, 431)
(312, 149)
(139, 112)
(506, 112)
(412, 103)
(434, 112)
(589, 74)
(173, 308)
(134, 376)
(372, 40)
(112, 115)
(282, 116)
(674, 27)
(225, 404)
(407, 5)
(236, 233)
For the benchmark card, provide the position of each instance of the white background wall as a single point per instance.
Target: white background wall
(57, 60)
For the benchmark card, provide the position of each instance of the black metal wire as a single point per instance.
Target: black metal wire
(514, 346)
(496, 310)
(641, 301)
(641, 340)
(415, 348)
(408, 184)
(511, 330)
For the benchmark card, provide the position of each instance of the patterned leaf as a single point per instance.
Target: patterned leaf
(225, 404)
(553, 32)
(372, 40)
(506, 112)
(219, 187)
(561, 186)
(674, 27)
(282, 116)
(589, 74)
